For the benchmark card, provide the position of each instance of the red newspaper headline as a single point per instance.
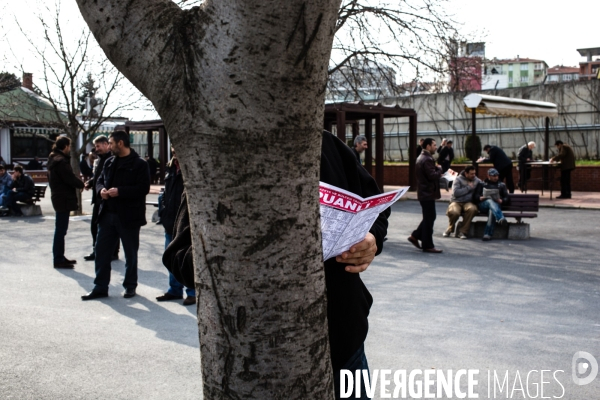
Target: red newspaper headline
(342, 201)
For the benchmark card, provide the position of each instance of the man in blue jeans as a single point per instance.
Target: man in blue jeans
(169, 203)
(491, 195)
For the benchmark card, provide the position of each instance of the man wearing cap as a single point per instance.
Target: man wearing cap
(491, 194)
(524, 156)
(566, 156)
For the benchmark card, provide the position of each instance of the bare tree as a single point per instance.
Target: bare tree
(68, 62)
(240, 87)
(373, 40)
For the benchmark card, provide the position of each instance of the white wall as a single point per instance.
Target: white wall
(5, 144)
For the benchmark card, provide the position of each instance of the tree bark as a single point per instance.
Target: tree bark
(240, 86)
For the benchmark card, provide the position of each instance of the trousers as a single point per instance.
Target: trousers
(110, 230)
(424, 231)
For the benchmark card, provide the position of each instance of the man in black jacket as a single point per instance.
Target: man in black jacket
(63, 185)
(524, 156)
(103, 151)
(21, 189)
(446, 155)
(123, 186)
(348, 300)
(428, 191)
(491, 194)
(502, 164)
(171, 199)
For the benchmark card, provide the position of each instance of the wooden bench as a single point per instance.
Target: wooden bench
(38, 194)
(519, 206)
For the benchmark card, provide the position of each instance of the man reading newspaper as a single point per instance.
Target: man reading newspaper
(491, 194)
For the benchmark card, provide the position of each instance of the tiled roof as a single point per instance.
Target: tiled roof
(517, 60)
(559, 69)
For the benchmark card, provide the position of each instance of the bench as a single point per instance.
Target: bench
(519, 206)
(38, 194)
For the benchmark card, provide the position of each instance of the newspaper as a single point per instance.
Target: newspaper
(450, 175)
(491, 194)
(346, 217)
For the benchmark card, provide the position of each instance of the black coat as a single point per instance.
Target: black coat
(524, 154)
(24, 184)
(348, 300)
(498, 157)
(171, 199)
(97, 172)
(63, 182)
(132, 179)
(428, 178)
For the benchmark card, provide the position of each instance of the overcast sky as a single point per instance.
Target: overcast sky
(528, 28)
(547, 30)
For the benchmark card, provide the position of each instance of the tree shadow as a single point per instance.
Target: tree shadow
(147, 313)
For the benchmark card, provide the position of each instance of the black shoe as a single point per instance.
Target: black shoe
(93, 295)
(70, 261)
(91, 257)
(63, 265)
(562, 197)
(168, 296)
(189, 301)
(129, 293)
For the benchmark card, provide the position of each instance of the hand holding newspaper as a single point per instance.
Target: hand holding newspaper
(450, 175)
(346, 217)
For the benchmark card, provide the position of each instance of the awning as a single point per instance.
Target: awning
(509, 107)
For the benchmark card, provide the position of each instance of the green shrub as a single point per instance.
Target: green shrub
(468, 147)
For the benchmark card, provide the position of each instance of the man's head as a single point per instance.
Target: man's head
(487, 148)
(531, 145)
(360, 143)
(493, 175)
(421, 142)
(429, 145)
(558, 144)
(449, 143)
(470, 172)
(62, 144)
(101, 145)
(119, 143)
(17, 172)
(2, 170)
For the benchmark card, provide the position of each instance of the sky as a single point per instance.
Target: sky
(538, 29)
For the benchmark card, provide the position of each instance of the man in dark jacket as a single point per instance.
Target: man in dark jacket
(348, 300)
(360, 145)
(103, 151)
(35, 164)
(122, 186)
(446, 155)
(566, 157)
(428, 191)
(502, 164)
(491, 194)
(171, 200)
(524, 156)
(63, 185)
(21, 189)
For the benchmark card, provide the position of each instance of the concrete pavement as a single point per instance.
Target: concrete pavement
(503, 306)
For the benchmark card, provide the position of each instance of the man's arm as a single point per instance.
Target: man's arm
(459, 189)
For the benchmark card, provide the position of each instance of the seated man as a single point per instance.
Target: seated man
(22, 189)
(491, 194)
(462, 202)
(5, 182)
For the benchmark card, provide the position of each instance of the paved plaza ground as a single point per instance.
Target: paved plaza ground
(501, 306)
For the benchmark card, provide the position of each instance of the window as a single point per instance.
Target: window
(29, 143)
(524, 67)
(510, 79)
(524, 79)
(538, 66)
(567, 77)
(510, 67)
(553, 78)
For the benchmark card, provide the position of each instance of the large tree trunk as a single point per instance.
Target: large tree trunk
(240, 87)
